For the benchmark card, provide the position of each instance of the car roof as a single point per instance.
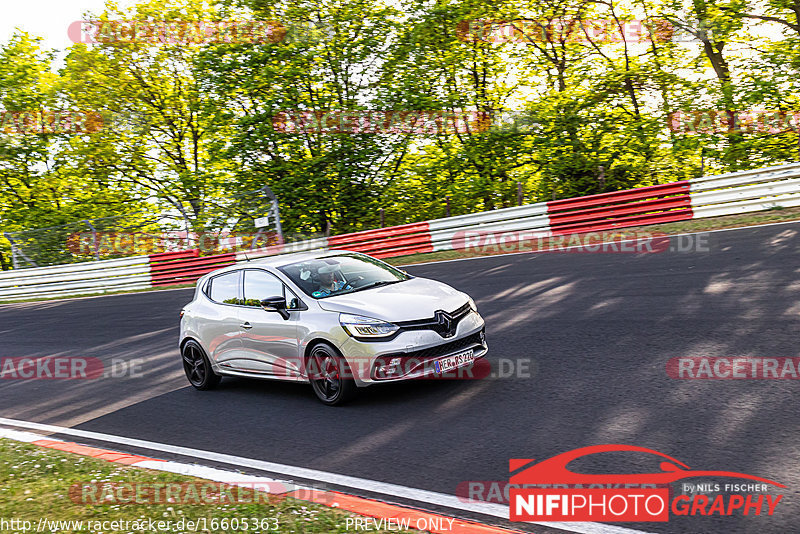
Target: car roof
(286, 259)
(281, 260)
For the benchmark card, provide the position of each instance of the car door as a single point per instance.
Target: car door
(220, 327)
(269, 341)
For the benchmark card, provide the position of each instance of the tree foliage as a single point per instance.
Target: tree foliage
(558, 108)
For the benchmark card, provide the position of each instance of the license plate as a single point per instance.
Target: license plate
(456, 360)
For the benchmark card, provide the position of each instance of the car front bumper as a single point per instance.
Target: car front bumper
(413, 352)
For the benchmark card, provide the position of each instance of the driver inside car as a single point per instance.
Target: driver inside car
(330, 280)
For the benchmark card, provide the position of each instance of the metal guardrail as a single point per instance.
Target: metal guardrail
(746, 191)
(286, 248)
(387, 242)
(739, 192)
(76, 279)
(621, 209)
(173, 268)
(753, 176)
(529, 217)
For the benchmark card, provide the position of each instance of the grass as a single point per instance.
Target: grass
(680, 227)
(36, 483)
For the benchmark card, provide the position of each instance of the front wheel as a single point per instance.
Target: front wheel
(330, 375)
(197, 367)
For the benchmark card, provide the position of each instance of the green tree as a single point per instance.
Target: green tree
(160, 135)
(328, 62)
(38, 188)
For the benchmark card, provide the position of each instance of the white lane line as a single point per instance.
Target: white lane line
(382, 488)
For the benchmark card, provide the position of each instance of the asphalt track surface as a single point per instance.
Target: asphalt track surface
(597, 328)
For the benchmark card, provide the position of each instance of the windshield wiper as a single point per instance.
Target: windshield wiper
(377, 284)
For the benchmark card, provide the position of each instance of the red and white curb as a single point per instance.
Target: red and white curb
(343, 501)
(334, 499)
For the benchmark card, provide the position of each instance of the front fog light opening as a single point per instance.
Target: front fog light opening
(388, 370)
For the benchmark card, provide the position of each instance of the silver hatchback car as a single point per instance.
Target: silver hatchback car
(339, 320)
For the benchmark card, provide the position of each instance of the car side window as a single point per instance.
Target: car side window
(259, 285)
(225, 288)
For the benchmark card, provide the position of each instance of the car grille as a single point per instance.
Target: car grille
(443, 323)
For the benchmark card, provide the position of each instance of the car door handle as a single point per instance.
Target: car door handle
(246, 326)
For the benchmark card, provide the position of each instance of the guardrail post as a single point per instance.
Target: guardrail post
(94, 240)
(14, 261)
(17, 251)
(519, 193)
(702, 161)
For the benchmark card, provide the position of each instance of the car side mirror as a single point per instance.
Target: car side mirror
(276, 304)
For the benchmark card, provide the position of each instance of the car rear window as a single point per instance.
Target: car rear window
(225, 288)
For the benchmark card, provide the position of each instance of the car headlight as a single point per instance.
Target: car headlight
(360, 326)
(472, 305)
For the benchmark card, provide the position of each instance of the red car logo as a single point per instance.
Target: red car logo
(554, 470)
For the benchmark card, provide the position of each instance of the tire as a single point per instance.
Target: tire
(197, 367)
(330, 375)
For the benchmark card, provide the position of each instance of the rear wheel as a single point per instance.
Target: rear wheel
(197, 367)
(330, 375)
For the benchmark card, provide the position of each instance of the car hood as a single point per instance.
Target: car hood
(416, 298)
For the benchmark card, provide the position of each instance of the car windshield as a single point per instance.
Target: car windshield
(344, 273)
